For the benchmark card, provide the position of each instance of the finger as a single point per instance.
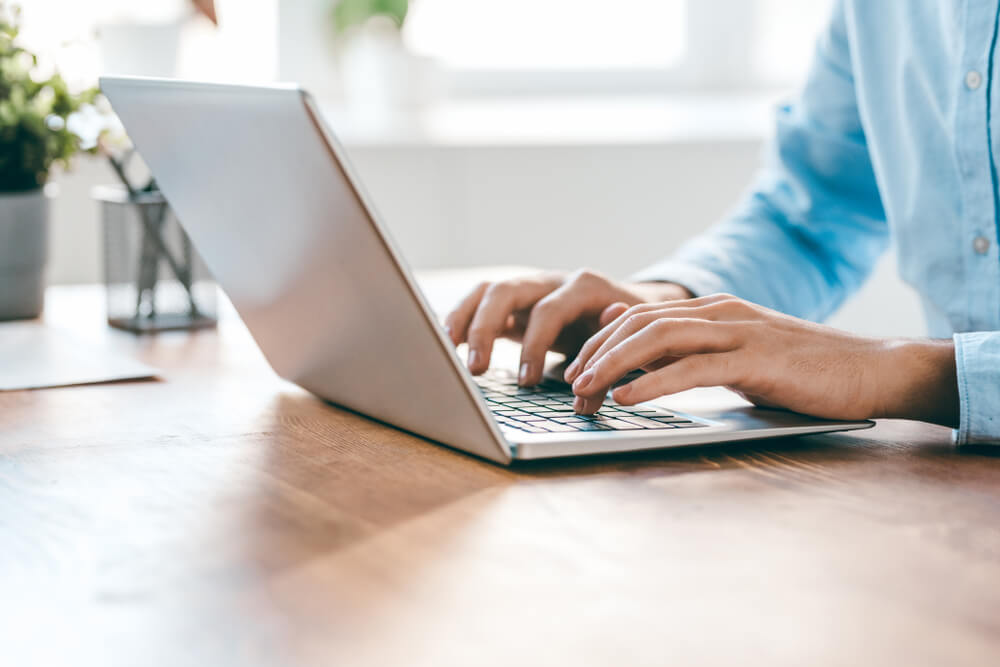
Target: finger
(702, 370)
(499, 302)
(611, 313)
(662, 338)
(594, 342)
(628, 326)
(702, 300)
(590, 348)
(456, 324)
(587, 406)
(638, 317)
(549, 317)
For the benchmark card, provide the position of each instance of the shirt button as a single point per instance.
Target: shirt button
(981, 245)
(973, 80)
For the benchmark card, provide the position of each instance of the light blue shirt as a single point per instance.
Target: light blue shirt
(893, 137)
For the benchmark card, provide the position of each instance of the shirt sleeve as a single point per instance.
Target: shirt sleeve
(977, 360)
(812, 226)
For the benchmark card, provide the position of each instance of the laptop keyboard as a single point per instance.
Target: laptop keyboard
(548, 408)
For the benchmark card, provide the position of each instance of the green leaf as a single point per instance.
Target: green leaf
(33, 113)
(350, 13)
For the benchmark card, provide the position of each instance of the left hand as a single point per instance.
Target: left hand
(771, 359)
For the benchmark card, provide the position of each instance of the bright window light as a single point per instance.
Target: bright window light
(242, 48)
(549, 34)
(785, 37)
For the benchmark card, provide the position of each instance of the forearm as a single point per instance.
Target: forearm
(918, 380)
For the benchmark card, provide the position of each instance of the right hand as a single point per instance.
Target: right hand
(551, 311)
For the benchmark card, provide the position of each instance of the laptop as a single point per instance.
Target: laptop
(267, 194)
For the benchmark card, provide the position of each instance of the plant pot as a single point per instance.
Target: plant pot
(379, 74)
(24, 232)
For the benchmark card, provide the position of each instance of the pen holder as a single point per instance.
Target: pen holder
(155, 279)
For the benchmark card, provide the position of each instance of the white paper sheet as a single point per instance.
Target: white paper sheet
(34, 356)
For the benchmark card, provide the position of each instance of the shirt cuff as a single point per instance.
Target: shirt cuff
(697, 280)
(977, 361)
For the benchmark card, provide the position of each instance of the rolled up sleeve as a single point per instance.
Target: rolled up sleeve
(977, 361)
(812, 225)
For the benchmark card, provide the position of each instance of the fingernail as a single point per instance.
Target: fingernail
(473, 358)
(525, 373)
(572, 370)
(583, 381)
(579, 404)
(447, 332)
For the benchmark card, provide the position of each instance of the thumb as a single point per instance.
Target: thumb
(612, 312)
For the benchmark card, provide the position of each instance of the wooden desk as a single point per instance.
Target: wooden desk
(223, 517)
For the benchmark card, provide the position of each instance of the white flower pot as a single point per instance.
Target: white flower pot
(379, 73)
(24, 232)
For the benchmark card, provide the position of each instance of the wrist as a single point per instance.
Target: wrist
(919, 381)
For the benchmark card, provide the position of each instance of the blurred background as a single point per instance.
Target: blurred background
(550, 133)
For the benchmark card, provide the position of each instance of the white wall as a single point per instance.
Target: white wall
(614, 208)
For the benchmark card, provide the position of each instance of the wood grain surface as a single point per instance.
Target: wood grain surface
(220, 516)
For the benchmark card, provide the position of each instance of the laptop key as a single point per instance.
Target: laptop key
(556, 427)
(612, 415)
(589, 426)
(643, 422)
(619, 425)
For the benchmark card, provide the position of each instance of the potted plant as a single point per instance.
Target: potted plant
(377, 70)
(349, 14)
(36, 119)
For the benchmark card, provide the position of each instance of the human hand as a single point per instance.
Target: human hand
(551, 311)
(770, 358)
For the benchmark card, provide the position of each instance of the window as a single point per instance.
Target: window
(785, 33)
(549, 34)
(67, 34)
(493, 47)
(616, 46)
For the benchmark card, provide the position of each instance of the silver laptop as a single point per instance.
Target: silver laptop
(266, 192)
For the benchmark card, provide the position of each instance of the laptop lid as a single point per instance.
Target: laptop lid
(265, 191)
